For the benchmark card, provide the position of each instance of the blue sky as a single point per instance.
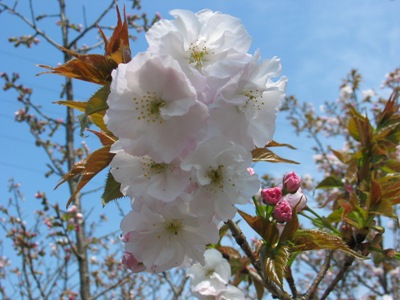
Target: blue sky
(318, 42)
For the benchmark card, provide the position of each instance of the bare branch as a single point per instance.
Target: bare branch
(93, 25)
(37, 30)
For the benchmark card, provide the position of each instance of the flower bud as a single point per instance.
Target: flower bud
(291, 182)
(282, 212)
(129, 261)
(297, 198)
(271, 196)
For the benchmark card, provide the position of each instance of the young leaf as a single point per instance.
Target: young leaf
(275, 262)
(98, 102)
(260, 289)
(88, 168)
(112, 190)
(118, 46)
(262, 154)
(81, 106)
(276, 144)
(88, 67)
(305, 240)
(94, 67)
(265, 228)
(330, 182)
(104, 138)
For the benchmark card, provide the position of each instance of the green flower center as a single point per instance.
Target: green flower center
(209, 273)
(148, 108)
(216, 176)
(150, 167)
(173, 226)
(197, 55)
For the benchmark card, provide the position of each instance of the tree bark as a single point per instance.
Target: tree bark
(82, 257)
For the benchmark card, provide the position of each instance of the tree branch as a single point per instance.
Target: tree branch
(93, 25)
(348, 262)
(311, 291)
(244, 245)
(30, 24)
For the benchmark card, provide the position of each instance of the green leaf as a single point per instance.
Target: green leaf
(98, 102)
(305, 240)
(275, 262)
(81, 106)
(330, 182)
(112, 190)
(266, 155)
(222, 232)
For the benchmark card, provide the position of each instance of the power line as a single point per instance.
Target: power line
(7, 164)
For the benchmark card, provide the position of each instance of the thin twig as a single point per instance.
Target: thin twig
(311, 291)
(93, 25)
(348, 262)
(30, 24)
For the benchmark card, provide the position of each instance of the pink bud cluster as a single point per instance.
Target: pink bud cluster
(285, 198)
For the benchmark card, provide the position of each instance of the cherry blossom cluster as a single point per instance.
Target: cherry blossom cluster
(285, 198)
(187, 113)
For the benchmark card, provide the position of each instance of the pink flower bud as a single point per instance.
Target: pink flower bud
(251, 171)
(271, 196)
(291, 182)
(129, 261)
(282, 212)
(297, 198)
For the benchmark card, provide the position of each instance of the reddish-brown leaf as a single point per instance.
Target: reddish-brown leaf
(118, 46)
(104, 138)
(273, 143)
(265, 228)
(88, 168)
(88, 67)
(94, 67)
(263, 154)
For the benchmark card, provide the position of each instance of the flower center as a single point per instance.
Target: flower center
(209, 273)
(148, 108)
(197, 54)
(216, 176)
(254, 98)
(173, 226)
(150, 167)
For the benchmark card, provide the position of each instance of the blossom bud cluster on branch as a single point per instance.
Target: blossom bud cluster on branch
(285, 198)
(187, 113)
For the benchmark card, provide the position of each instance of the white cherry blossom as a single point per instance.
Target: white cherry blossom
(153, 108)
(162, 236)
(210, 278)
(220, 168)
(143, 177)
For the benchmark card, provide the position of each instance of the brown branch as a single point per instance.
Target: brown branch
(244, 245)
(290, 281)
(311, 291)
(109, 288)
(93, 25)
(30, 24)
(348, 262)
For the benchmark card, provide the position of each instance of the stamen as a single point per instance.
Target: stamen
(173, 226)
(148, 108)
